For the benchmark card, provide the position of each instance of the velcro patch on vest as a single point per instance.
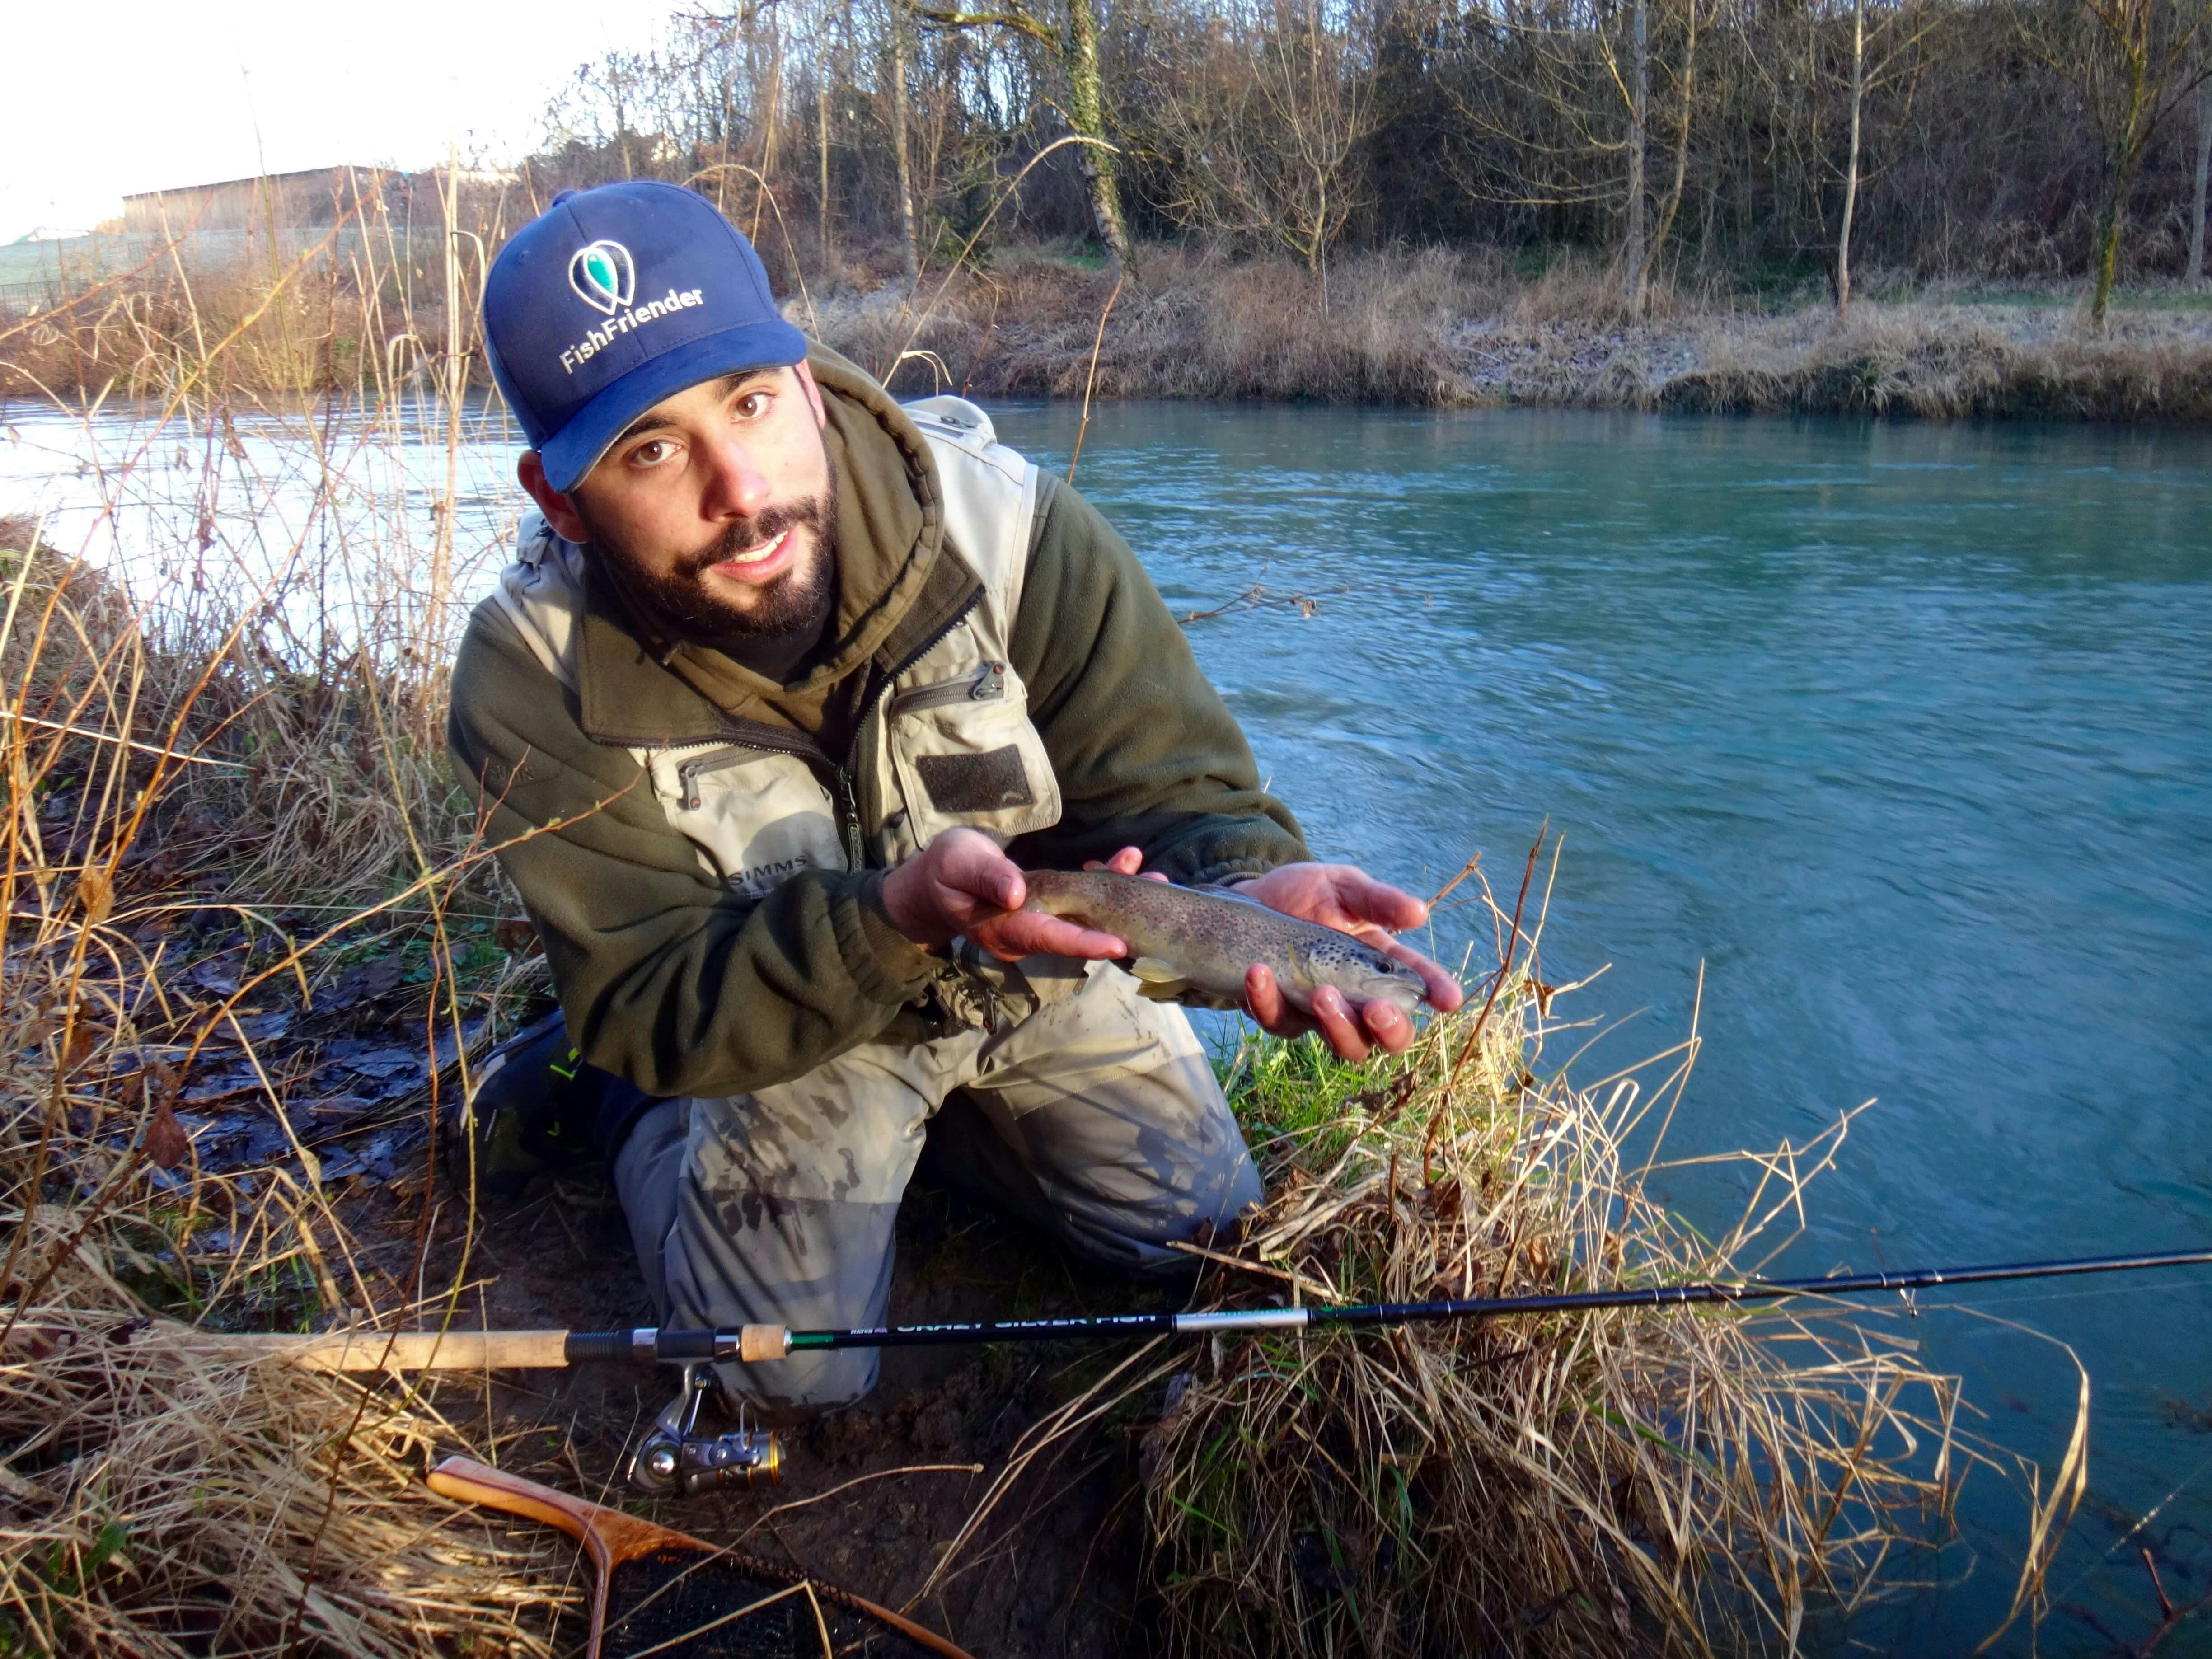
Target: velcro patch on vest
(976, 783)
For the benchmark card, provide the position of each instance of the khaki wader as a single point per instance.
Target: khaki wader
(1088, 1111)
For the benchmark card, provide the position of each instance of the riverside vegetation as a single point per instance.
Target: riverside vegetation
(253, 944)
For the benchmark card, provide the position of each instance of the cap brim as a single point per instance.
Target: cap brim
(576, 449)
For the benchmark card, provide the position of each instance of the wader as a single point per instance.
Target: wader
(1091, 1112)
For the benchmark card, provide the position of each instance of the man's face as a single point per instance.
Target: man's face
(717, 507)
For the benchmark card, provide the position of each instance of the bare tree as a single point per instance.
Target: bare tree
(2195, 273)
(2134, 62)
(1267, 148)
(1852, 162)
(909, 254)
(1565, 94)
(1634, 247)
(1877, 54)
(1075, 42)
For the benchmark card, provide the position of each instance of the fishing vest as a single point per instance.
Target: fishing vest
(947, 740)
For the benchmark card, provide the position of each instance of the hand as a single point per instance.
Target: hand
(1350, 900)
(1129, 861)
(961, 882)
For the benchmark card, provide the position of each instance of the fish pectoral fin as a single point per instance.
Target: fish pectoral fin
(1161, 982)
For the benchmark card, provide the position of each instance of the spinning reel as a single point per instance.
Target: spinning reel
(677, 1460)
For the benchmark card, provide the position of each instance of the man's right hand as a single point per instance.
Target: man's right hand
(961, 882)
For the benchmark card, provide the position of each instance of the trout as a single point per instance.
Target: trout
(1191, 945)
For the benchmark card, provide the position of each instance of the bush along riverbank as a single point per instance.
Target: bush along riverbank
(1436, 328)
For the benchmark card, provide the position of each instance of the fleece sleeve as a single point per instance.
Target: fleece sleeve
(665, 977)
(1147, 752)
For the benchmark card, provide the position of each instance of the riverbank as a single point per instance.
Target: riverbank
(1445, 329)
(1429, 328)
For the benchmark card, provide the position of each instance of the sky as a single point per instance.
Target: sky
(110, 99)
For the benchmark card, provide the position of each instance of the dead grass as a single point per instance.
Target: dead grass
(1439, 327)
(1633, 1481)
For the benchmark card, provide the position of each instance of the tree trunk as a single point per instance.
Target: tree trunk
(822, 132)
(1639, 109)
(772, 106)
(1851, 166)
(1688, 102)
(2196, 198)
(2127, 155)
(1086, 113)
(908, 251)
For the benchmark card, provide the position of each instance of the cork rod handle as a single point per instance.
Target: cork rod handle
(758, 1342)
(413, 1351)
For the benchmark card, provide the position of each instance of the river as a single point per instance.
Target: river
(1902, 732)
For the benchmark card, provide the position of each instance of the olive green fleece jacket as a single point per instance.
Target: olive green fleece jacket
(672, 981)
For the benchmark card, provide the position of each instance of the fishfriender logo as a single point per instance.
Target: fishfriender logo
(603, 276)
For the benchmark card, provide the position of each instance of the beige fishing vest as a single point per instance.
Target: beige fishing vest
(948, 742)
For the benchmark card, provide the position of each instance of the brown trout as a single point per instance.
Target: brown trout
(1189, 945)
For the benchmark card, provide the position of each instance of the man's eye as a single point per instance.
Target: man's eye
(752, 405)
(652, 453)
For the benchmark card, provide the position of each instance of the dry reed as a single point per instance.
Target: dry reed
(1642, 1480)
(161, 1499)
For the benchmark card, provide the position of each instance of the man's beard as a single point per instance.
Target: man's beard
(797, 601)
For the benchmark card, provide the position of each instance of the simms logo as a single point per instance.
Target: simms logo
(597, 340)
(603, 276)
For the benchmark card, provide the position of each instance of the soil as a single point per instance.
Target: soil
(872, 1497)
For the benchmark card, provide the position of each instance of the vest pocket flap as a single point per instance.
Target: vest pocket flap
(989, 782)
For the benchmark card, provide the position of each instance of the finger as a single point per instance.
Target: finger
(1127, 862)
(1027, 932)
(1378, 902)
(1443, 993)
(980, 870)
(1389, 1028)
(1263, 1001)
(1334, 1016)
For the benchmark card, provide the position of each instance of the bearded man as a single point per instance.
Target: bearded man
(787, 686)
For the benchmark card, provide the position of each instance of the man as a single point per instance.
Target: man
(784, 690)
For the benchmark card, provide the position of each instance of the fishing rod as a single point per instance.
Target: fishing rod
(676, 1457)
(466, 1350)
(754, 1343)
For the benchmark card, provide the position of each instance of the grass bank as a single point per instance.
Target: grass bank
(1444, 328)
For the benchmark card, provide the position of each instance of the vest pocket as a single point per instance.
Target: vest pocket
(961, 758)
(755, 818)
(959, 784)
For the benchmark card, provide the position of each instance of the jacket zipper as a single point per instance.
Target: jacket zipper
(986, 685)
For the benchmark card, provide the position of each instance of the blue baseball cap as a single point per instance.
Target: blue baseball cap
(614, 298)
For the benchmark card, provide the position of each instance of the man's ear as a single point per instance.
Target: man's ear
(813, 393)
(560, 512)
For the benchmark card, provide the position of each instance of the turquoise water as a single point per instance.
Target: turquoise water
(1903, 732)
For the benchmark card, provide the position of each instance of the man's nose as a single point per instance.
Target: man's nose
(736, 485)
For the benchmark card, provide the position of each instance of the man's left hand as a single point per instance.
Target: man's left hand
(1348, 899)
